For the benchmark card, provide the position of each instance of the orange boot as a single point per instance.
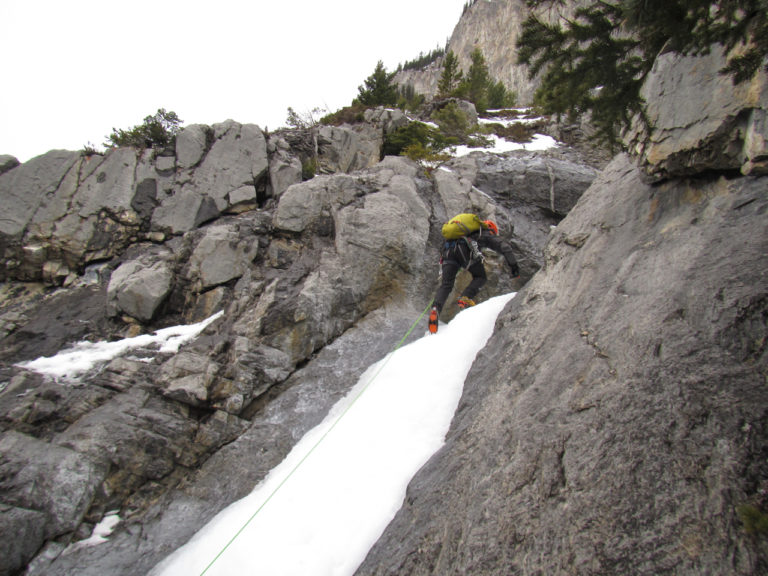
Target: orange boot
(465, 302)
(433, 320)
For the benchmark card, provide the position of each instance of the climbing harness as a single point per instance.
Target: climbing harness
(470, 255)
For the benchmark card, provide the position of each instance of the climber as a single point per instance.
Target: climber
(465, 235)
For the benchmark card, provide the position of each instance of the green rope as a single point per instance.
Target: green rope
(311, 450)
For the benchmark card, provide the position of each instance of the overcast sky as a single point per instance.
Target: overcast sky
(72, 70)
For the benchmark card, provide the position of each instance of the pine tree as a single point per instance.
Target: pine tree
(158, 130)
(499, 96)
(597, 62)
(477, 81)
(378, 89)
(451, 76)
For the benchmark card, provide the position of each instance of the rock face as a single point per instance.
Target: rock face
(616, 421)
(65, 211)
(312, 281)
(618, 417)
(720, 127)
(494, 27)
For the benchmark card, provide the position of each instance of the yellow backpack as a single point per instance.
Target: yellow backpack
(461, 225)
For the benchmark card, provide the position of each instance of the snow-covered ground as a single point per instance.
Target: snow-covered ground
(500, 145)
(523, 117)
(319, 512)
(84, 356)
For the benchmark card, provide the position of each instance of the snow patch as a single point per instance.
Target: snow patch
(500, 146)
(321, 510)
(100, 533)
(84, 356)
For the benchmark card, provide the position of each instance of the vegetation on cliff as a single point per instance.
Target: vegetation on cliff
(596, 63)
(159, 129)
(477, 85)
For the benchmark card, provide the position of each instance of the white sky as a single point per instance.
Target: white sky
(73, 70)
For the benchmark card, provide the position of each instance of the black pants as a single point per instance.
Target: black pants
(450, 269)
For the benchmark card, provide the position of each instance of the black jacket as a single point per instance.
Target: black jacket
(460, 250)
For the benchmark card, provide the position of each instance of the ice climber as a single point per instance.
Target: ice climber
(465, 235)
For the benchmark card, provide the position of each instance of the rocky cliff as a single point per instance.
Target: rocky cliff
(494, 27)
(615, 423)
(311, 281)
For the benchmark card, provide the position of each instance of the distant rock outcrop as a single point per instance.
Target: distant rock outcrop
(493, 27)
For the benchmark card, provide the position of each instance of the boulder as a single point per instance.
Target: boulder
(22, 532)
(387, 119)
(138, 287)
(284, 167)
(191, 145)
(221, 255)
(8, 162)
(165, 164)
(306, 207)
(183, 210)
(237, 158)
(348, 148)
(53, 480)
(699, 119)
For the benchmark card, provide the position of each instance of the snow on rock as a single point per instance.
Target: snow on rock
(327, 503)
(84, 356)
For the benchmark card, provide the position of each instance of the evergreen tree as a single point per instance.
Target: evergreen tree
(408, 98)
(477, 81)
(423, 60)
(499, 96)
(378, 89)
(159, 130)
(597, 62)
(451, 76)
